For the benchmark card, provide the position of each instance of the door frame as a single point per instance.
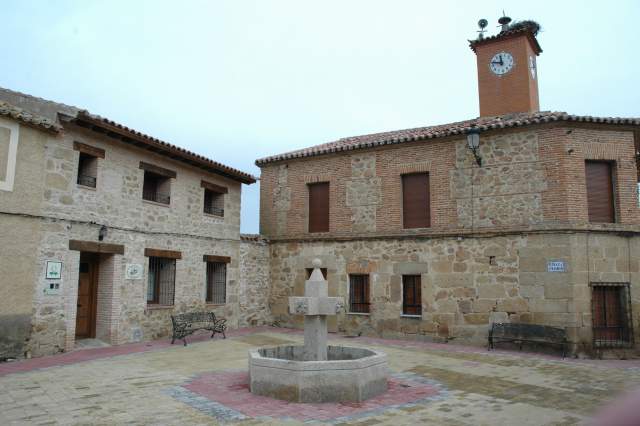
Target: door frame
(93, 259)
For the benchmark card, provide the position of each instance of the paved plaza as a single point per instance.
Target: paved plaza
(206, 383)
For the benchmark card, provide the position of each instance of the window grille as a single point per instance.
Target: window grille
(161, 281)
(216, 282)
(611, 313)
(411, 295)
(87, 170)
(213, 202)
(359, 293)
(156, 188)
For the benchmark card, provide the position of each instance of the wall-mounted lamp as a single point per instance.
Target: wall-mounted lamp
(102, 233)
(473, 142)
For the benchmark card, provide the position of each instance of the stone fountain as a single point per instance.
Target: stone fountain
(317, 372)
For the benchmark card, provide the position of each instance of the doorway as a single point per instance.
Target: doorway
(87, 296)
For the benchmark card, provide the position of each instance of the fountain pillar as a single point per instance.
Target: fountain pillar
(315, 306)
(316, 372)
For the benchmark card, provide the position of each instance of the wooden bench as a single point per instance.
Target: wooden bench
(188, 323)
(527, 333)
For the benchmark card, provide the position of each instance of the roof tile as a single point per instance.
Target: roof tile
(442, 130)
(29, 118)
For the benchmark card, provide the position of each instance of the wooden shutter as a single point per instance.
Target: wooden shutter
(416, 206)
(319, 207)
(599, 191)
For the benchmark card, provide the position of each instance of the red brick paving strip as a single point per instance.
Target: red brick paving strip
(83, 355)
(231, 389)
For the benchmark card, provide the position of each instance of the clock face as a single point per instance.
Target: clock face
(501, 63)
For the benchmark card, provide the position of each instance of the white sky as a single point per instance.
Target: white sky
(237, 80)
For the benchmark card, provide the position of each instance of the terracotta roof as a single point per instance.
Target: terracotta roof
(48, 112)
(443, 130)
(508, 34)
(128, 135)
(26, 117)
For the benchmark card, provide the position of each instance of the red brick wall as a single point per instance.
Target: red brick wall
(562, 151)
(515, 91)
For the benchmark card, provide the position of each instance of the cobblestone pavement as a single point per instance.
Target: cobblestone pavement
(205, 383)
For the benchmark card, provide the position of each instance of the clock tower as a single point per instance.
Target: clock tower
(507, 72)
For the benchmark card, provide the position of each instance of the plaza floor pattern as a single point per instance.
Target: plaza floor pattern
(206, 383)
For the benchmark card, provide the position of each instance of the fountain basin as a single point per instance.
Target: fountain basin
(348, 375)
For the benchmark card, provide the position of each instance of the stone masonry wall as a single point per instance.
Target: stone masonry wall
(19, 239)
(72, 212)
(467, 283)
(530, 179)
(254, 282)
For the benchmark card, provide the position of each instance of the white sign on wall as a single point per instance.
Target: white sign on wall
(54, 270)
(134, 271)
(556, 266)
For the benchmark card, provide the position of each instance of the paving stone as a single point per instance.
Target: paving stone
(150, 385)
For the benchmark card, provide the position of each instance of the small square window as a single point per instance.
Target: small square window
(359, 294)
(216, 282)
(156, 188)
(213, 202)
(161, 281)
(87, 170)
(411, 295)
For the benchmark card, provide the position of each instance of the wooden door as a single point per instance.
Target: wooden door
(87, 289)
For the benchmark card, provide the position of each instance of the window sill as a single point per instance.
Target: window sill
(215, 216)
(411, 316)
(155, 203)
(90, 188)
(366, 314)
(214, 305)
(159, 307)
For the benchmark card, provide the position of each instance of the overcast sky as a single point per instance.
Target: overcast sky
(238, 80)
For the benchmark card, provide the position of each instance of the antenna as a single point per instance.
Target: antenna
(504, 22)
(482, 24)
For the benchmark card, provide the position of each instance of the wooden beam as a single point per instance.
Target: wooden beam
(88, 149)
(158, 170)
(214, 187)
(171, 254)
(213, 258)
(95, 247)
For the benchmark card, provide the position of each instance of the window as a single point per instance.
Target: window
(310, 270)
(213, 202)
(416, 205)
(600, 198)
(216, 282)
(88, 163)
(156, 188)
(359, 293)
(319, 207)
(611, 308)
(161, 281)
(411, 295)
(87, 170)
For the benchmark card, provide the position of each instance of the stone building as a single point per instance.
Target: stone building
(430, 239)
(105, 232)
